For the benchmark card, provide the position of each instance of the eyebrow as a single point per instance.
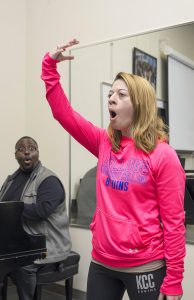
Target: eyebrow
(24, 146)
(119, 90)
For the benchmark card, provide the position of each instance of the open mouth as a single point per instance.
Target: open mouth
(27, 160)
(112, 114)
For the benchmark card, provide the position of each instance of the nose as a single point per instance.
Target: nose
(26, 150)
(112, 99)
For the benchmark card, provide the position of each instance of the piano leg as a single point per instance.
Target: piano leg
(8, 265)
(4, 292)
(3, 289)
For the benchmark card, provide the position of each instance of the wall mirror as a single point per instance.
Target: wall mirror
(91, 74)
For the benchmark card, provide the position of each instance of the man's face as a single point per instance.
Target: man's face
(26, 154)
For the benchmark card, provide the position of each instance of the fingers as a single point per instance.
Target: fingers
(67, 57)
(161, 297)
(58, 52)
(69, 44)
(168, 297)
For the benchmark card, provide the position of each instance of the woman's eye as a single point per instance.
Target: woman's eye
(121, 95)
(109, 95)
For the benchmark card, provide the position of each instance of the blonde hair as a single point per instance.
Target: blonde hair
(147, 127)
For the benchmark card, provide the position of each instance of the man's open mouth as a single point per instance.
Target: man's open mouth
(27, 160)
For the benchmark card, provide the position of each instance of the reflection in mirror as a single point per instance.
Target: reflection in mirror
(99, 63)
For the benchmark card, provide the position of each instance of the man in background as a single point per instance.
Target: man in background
(44, 212)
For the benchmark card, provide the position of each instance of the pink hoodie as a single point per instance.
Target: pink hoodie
(139, 214)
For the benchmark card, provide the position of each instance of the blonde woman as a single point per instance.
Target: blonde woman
(138, 226)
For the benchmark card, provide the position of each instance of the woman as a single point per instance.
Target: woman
(138, 226)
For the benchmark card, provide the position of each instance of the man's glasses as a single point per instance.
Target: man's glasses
(26, 149)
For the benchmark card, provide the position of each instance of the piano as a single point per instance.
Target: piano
(17, 247)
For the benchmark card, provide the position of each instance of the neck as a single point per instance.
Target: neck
(126, 132)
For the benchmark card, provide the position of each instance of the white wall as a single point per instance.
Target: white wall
(50, 22)
(12, 80)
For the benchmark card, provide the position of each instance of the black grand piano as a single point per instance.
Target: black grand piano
(17, 248)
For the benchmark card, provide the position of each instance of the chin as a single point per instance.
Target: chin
(115, 127)
(27, 170)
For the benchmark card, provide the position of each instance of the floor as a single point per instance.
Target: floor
(47, 294)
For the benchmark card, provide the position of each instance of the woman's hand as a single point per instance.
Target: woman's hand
(58, 52)
(163, 297)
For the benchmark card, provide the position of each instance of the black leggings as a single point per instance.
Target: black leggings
(106, 284)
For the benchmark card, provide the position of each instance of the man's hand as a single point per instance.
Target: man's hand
(58, 52)
(166, 297)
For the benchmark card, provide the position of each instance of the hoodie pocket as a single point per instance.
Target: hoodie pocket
(115, 236)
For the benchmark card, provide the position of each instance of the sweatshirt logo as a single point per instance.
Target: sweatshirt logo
(120, 174)
(145, 283)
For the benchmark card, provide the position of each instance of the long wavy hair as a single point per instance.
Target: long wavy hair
(147, 127)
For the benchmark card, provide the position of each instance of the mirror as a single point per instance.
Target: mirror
(91, 74)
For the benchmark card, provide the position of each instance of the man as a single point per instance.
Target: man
(44, 210)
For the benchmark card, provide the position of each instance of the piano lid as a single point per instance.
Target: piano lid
(14, 240)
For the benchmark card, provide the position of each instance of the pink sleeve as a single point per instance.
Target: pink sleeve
(170, 182)
(82, 130)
